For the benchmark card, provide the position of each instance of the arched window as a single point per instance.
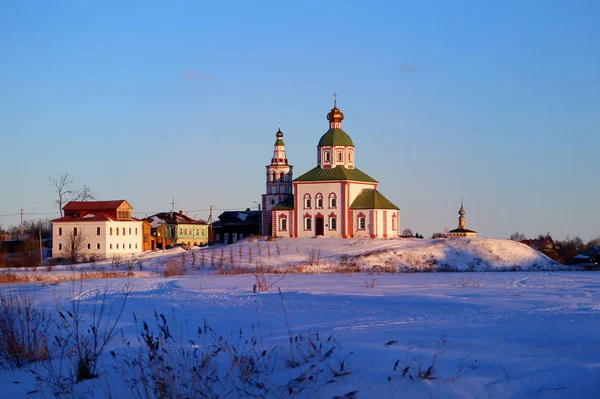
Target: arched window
(307, 223)
(272, 201)
(273, 176)
(332, 201)
(281, 176)
(326, 156)
(333, 224)
(307, 201)
(319, 199)
(340, 156)
(394, 222)
(283, 224)
(362, 221)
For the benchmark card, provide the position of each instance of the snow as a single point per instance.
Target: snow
(89, 216)
(525, 334)
(512, 334)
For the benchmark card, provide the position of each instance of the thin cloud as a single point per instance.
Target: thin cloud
(192, 74)
(406, 68)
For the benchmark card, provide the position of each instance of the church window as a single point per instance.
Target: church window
(281, 176)
(361, 223)
(308, 224)
(60, 246)
(350, 157)
(333, 224)
(332, 201)
(340, 156)
(394, 223)
(60, 231)
(98, 246)
(273, 177)
(283, 224)
(272, 201)
(89, 246)
(319, 199)
(307, 201)
(326, 156)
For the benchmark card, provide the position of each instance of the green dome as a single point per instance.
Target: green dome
(335, 137)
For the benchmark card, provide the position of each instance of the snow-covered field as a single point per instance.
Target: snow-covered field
(380, 335)
(526, 334)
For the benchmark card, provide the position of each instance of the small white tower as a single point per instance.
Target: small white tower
(279, 183)
(462, 230)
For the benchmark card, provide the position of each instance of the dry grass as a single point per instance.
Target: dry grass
(12, 277)
(173, 268)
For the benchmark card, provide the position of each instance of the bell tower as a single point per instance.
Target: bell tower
(279, 185)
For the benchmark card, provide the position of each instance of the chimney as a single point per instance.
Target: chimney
(180, 212)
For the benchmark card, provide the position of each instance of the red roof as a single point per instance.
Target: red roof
(92, 205)
(90, 217)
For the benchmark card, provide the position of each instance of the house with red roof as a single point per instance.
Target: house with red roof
(98, 229)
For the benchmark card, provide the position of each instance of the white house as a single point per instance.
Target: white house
(96, 228)
(334, 199)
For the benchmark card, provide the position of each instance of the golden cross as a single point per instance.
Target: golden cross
(334, 99)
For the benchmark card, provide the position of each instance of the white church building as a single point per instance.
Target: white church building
(334, 199)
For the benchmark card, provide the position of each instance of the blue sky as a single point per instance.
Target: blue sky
(497, 102)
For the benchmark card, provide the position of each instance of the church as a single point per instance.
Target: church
(334, 199)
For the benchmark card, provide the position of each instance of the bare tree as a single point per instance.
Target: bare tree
(85, 194)
(74, 246)
(407, 232)
(516, 236)
(438, 235)
(62, 186)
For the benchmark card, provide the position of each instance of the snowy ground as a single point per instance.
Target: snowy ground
(517, 335)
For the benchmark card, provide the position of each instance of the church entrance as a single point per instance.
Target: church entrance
(319, 226)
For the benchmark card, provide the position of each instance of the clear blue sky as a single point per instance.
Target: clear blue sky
(494, 101)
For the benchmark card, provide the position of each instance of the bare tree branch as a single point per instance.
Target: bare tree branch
(85, 194)
(61, 185)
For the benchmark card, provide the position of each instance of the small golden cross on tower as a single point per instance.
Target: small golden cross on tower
(279, 125)
(334, 99)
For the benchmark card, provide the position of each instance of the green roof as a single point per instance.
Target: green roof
(285, 205)
(335, 137)
(279, 142)
(370, 198)
(337, 173)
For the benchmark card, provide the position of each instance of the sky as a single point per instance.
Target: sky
(497, 102)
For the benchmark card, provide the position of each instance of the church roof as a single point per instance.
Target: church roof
(369, 198)
(335, 136)
(337, 173)
(462, 231)
(285, 205)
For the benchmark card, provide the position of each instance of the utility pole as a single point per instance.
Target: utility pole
(210, 226)
(41, 255)
(22, 223)
(172, 205)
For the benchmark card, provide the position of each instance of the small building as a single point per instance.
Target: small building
(233, 226)
(175, 228)
(96, 229)
(462, 230)
(149, 237)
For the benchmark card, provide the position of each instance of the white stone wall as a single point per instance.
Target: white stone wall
(324, 188)
(128, 243)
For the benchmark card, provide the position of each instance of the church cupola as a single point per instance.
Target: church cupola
(462, 230)
(335, 147)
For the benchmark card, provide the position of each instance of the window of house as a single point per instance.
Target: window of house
(307, 201)
(110, 231)
(60, 246)
(307, 224)
(89, 246)
(333, 224)
(60, 231)
(129, 246)
(136, 231)
(135, 246)
(98, 246)
(283, 224)
(74, 231)
(180, 231)
(130, 231)
(361, 223)
(332, 201)
(117, 229)
(110, 246)
(117, 246)
(123, 230)
(319, 200)
(97, 231)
